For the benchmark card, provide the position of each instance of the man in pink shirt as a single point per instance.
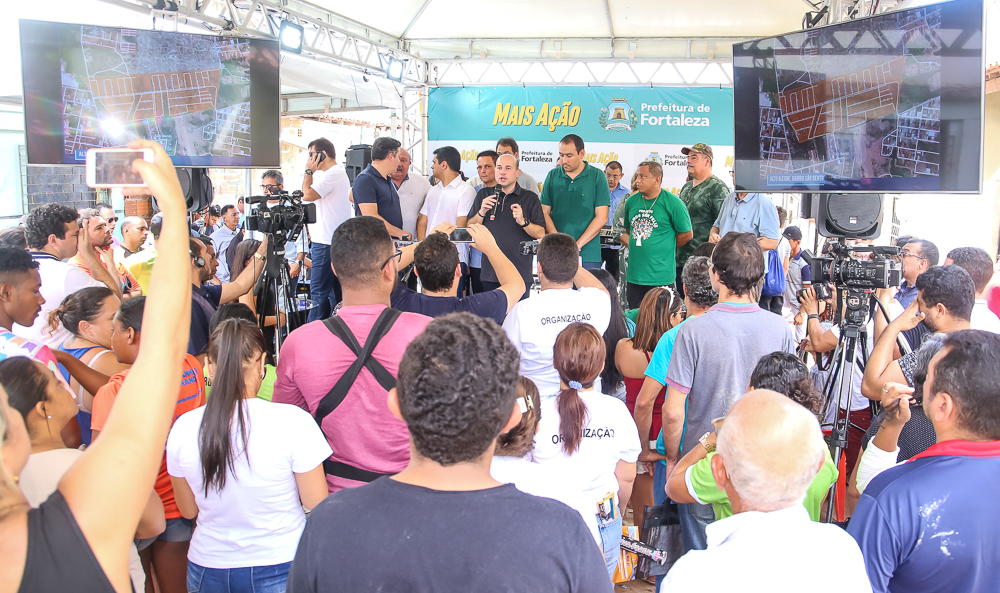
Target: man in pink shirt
(367, 440)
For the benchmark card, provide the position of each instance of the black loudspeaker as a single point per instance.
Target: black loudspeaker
(357, 157)
(809, 205)
(855, 216)
(197, 187)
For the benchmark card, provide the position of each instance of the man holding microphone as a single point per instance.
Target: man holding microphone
(512, 214)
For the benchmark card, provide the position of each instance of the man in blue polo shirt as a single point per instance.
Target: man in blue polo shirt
(373, 191)
(924, 526)
(576, 199)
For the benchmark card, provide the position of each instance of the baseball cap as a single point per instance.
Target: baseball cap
(701, 147)
(793, 233)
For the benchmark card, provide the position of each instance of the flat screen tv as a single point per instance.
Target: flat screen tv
(887, 104)
(210, 101)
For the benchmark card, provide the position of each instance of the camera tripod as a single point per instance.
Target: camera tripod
(839, 385)
(275, 280)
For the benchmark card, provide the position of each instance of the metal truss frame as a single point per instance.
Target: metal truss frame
(413, 126)
(612, 72)
(364, 50)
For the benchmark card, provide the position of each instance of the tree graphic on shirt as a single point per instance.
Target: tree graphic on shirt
(642, 227)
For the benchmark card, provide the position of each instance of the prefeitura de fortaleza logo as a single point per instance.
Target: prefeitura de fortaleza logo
(618, 116)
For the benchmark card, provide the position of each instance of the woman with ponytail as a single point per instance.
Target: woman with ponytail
(241, 465)
(586, 439)
(89, 315)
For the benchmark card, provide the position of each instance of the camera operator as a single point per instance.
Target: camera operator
(326, 184)
(944, 302)
(821, 339)
(272, 183)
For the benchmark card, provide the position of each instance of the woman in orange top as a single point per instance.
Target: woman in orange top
(167, 552)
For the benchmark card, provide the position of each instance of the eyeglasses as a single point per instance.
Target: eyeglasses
(398, 256)
(905, 253)
(269, 187)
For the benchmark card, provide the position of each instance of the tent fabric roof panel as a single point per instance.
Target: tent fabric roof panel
(552, 19)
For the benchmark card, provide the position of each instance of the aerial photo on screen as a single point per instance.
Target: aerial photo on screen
(853, 104)
(190, 93)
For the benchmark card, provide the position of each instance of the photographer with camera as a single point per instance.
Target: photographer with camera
(944, 302)
(325, 184)
(823, 337)
(272, 183)
(437, 265)
(925, 526)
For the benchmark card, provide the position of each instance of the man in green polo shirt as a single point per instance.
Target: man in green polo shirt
(703, 196)
(575, 200)
(655, 222)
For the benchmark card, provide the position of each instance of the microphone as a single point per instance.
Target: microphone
(500, 195)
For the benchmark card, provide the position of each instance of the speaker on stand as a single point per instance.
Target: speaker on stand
(357, 157)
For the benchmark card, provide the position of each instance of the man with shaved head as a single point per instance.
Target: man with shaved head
(513, 214)
(134, 233)
(769, 450)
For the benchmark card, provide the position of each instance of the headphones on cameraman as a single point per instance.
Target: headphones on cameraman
(199, 262)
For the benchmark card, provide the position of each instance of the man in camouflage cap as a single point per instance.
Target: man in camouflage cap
(703, 195)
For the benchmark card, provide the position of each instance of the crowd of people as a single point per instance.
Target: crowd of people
(482, 414)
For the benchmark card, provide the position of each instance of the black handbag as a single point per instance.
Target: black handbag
(661, 529)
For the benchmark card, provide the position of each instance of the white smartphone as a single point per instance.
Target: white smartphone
(112, 167)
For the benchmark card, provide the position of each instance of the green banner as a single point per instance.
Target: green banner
(659, 115)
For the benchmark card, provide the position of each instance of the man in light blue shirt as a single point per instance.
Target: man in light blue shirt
(748, 213)
(609, 254)
(223, 236)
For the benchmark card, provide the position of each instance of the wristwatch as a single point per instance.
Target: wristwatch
(526, 223)
(309, 172)
(704, 443)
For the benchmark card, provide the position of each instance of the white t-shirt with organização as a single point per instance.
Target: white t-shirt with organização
(534, 323)
(609, 436)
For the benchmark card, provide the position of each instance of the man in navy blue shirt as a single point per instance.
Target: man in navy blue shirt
(373, 191)
(924, 526)
(437, 265)
(206, 296)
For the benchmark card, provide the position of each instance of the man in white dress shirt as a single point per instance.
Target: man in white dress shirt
(412, 191)
(448, 201)
(769, 450)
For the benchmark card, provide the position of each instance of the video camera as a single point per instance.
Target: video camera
(854, 278)
(282, 219)
(843, 270)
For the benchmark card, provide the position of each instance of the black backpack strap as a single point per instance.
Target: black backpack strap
(385, 379)
(339, 391)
